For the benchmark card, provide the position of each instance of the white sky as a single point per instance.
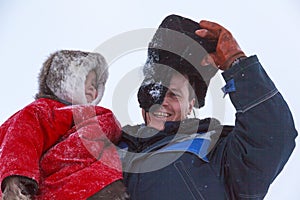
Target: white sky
(31, 30)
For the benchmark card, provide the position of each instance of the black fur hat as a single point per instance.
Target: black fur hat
(175, 46)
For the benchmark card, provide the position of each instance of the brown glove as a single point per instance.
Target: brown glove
(227, 50)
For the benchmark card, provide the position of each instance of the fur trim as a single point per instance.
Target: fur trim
(175, 46)
(63, 76)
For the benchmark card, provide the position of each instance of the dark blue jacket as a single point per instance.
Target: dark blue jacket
(219, 162)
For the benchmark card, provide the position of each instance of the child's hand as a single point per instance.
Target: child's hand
(15, 188)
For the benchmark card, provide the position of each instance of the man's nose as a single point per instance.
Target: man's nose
(165, 101)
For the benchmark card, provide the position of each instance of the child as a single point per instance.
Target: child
(60, 145)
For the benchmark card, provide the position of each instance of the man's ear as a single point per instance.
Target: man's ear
(191, 105)
(144, 115)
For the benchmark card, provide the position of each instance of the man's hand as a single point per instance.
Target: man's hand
(114, 191)
(227, 50)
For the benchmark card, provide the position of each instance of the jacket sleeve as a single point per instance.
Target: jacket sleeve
(21, 146)
(264, 135)
(25, 136)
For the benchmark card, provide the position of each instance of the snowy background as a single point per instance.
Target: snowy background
(31, 30)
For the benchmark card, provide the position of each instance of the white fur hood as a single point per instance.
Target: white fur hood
(63, 76)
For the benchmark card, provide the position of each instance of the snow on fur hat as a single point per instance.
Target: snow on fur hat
(63, 76)
(175, 46)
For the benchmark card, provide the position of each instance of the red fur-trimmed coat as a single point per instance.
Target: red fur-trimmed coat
(67, 150)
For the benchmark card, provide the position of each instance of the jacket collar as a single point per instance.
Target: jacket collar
(140, 137)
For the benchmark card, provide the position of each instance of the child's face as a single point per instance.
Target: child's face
(91, 86)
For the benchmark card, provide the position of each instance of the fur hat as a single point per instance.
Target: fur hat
(175, 46)
(63, 76)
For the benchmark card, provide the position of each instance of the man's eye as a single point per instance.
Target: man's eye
(175, 94)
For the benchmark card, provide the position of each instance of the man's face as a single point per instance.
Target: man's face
(176, 105)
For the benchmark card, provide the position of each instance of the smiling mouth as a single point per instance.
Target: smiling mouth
(161, 114)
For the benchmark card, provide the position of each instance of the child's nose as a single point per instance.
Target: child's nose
(91, 88)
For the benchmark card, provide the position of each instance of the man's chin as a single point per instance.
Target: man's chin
(157, 125)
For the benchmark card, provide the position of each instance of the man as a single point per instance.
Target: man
(172, 156)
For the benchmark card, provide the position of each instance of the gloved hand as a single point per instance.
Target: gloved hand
(227, 50)
(114, 191)
(18, 188)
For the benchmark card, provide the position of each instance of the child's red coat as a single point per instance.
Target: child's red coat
(68, 150)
